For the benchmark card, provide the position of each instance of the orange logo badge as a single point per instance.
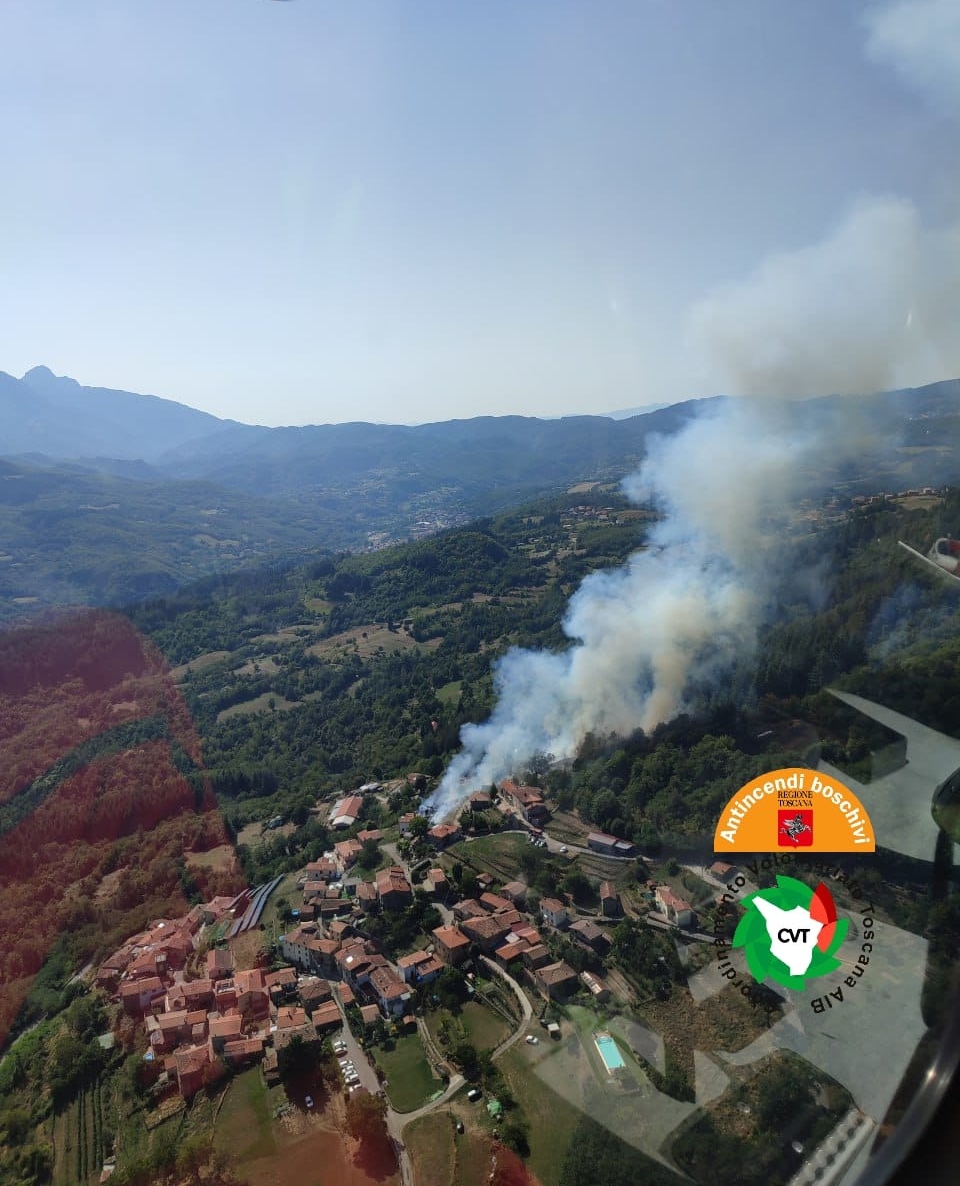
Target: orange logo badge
(794, 808)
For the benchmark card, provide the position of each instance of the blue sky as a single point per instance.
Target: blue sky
(311, 212)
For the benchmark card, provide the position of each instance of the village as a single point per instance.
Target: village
(204, 1017)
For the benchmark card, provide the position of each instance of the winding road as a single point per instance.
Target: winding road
(397, 1121)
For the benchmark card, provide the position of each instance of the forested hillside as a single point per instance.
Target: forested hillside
(98, 811)
(310, 680)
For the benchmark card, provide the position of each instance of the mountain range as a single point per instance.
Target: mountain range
(107, 495)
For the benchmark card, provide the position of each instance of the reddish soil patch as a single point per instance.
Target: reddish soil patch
(322, 1158)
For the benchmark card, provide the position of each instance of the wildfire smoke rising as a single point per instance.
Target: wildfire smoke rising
(687, 604)
(875, 301)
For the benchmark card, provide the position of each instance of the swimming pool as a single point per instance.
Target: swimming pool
(612, 1059)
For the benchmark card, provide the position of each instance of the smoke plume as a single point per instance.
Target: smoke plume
(921, 40)
(688, 602)
(872, 306)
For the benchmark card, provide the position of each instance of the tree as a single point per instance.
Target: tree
(298, 1057)
(465, 1055)
(577, 884)
(366, 1116)
(449, 988)
(514, 1135)
(369, 856)
(366, 1121)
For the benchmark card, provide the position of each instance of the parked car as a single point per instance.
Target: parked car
(563, 848)
(533, 1041)
(459, 1126)
(474, 1094)
(308, 1100)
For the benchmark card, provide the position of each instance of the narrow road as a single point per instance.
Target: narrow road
(397, 1121)
(390, 848)
(521, 996)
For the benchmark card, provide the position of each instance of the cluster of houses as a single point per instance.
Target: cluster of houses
(525, 801)
(199, 1028)
(220, 1018)
(497, 924)
(330, 891)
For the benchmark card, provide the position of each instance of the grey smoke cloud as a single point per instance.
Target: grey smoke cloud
(920, 39)
(871, 307)
(690, 602)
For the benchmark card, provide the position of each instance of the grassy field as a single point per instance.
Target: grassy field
(550, 1118)
(267, 702)
(449, 694)
(221, 857)
(244, 1127)
(443, 1157)
(299, 1147)
(474, 1023)
(410, 1082)
(432, 1149)
(364, 641)
(201, 663)
(78, 1142)
(496, 855)
(265, 666)
(484, 1028)
(286, 889)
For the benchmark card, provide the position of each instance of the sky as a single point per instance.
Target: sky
(309, 212)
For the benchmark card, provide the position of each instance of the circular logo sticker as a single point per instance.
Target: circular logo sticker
(790, 933)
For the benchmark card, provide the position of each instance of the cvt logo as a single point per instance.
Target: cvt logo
(790, 933)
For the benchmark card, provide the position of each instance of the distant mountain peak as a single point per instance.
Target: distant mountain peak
(42, 378)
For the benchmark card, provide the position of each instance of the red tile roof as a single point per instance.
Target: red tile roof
(451, 937)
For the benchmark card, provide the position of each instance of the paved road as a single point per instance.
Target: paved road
(521, 996)
(397, 1121)
(367, 1075)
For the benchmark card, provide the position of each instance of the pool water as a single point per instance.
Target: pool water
(611, 1056)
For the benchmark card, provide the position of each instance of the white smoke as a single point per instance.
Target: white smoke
(871, 307)
(921, 40)
(689, 602)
